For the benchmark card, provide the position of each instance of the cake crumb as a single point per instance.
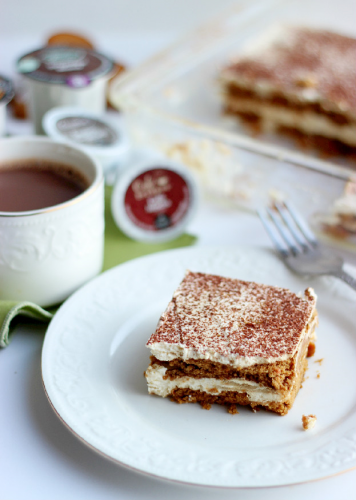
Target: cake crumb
(205, 405)
(308, 421)
(317, 374)
(319, 361)
(232, 409)
(311, 350)
(308, 81)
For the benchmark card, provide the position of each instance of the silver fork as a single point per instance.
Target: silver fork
(297, 245)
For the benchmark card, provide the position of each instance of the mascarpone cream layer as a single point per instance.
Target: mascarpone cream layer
(267, 90)
(265, 48)
(255, 392)
(167, 352)
(308, 122)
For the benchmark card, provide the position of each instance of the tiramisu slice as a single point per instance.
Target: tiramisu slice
(341, 221)
(231, 342)
(300, 82)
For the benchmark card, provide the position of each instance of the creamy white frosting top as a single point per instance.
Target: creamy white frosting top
(232, 322)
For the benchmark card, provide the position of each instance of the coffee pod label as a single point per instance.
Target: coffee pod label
(77, 81)
(75, 67)
(28, 65)
(87, 130)
(154, 200)
(157, 199)
(101, 136)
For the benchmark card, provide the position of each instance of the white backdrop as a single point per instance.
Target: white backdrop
(60, 467)
(109, 16)
(104, 21)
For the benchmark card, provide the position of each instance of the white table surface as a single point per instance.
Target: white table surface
(39, 458)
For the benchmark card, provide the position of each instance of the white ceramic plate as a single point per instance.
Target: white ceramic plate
(94, 356)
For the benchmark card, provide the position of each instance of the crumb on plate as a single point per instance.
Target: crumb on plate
(308, 421)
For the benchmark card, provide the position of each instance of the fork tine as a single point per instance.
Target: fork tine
(302, 225)
(283, 232)
(291, 224)
(272, 233)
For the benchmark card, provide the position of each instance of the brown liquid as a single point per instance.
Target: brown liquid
(34, 184)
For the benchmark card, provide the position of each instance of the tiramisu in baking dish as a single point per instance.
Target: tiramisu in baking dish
(232, 342)
(299, 82)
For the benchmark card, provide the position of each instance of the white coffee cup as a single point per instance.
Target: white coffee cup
(46, 254)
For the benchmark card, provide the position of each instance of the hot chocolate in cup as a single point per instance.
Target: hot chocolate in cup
(51, 236)
(65, 76)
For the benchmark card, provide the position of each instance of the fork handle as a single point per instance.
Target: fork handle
(344, 276)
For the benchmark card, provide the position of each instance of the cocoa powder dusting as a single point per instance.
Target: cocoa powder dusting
(316, 64)
(232, 317)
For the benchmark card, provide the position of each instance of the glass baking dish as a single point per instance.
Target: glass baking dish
(172, 103)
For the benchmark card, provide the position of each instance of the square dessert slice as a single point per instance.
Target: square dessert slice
(340, 222)
(299, 82)
(228, 341)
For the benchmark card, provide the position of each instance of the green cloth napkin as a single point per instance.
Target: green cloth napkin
(11, 312)
(118, 249)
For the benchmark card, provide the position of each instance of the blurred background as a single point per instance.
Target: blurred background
(130, 31)
(115, 26)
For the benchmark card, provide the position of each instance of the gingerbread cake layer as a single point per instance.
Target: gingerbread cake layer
(271, 386)
(232, 342)
(230, 398)
(297, 81)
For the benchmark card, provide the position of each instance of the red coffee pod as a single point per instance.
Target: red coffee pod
(154, 200)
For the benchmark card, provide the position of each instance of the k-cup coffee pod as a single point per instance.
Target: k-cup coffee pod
(65, 76)
(6, 94)
(99, 135)
(154, 199)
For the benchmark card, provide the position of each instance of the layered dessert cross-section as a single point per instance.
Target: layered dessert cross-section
(232, 342)
(299, 82)
(341, 220)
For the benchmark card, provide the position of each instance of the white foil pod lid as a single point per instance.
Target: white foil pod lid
(98, 135)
